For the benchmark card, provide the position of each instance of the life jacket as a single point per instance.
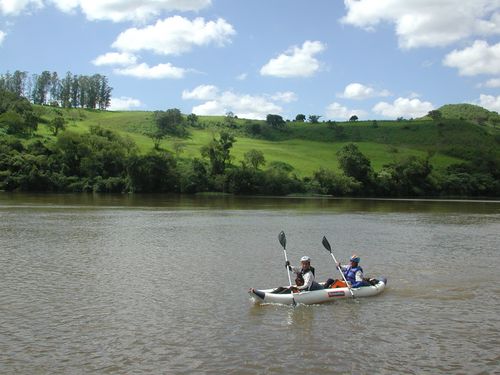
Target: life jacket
(350, 273)
(299, 280)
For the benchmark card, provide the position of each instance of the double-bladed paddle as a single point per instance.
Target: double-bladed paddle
(282, 239)
(327, 246)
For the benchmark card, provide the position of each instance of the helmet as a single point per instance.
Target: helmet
(355, 258)
(305, 258)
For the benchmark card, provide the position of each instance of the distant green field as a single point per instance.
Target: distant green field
(307, 147)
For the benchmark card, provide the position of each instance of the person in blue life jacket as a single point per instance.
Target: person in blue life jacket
(305, 275)
(353, 272)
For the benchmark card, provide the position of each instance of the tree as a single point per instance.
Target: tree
(169, 122)
(435, 115)
(275, 121)
(255, 158)
(192, 120)
(353, 118)
(218, 152)
(300, 117)
(354, 163)
(230, 120)
(314, 119)
(56, 124)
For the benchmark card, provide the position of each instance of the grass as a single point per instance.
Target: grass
(307, 147)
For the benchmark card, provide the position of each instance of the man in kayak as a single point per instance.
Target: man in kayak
(353, 274)
(305, 275)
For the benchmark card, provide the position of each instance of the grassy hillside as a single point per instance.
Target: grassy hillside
(470, 112)
(306, 147)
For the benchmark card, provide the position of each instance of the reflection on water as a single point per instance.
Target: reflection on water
(158, 284)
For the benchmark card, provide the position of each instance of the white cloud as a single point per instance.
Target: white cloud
(242, 76)
(285, 97)
(403, 107)
(124, 103)
(242, 105)
(295, 62)
(427, 23)
(202, 92)
(154, 72)
(175, 35)
(492, 83)
(15, 7)
(114, 10)
(480, 58)
(115, 58)
(338, 111)
(490, 102)
(359, 91)
(2, 36)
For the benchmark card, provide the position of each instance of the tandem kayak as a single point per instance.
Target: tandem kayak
(316, 296)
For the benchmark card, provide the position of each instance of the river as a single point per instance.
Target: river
(95, 284)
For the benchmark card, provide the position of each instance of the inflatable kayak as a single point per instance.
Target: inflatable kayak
(316, 296)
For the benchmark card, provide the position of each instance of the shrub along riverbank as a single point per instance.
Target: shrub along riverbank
(68, 150)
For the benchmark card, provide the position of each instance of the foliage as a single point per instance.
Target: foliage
(353, 118)
(300, 117)
(255, 158)
(314, 119)
(218, 151)
(354, 163)
(56, 124)
(71, 91)
(275, 121)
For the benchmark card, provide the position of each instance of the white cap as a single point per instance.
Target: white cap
(305, 258)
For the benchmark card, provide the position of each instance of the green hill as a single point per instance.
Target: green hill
(472, 113)
(107, 151)
(307, 147)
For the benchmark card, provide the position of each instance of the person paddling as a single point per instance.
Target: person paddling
(305, 275)
(353, 274)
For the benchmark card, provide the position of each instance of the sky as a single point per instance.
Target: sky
(377, 59)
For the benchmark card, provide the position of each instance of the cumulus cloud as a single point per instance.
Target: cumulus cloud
(115, 58)
(295, 62)
(339, 112)
(490, 102)
(359, 91)
(202, 92)
(480, 58)
(427, 23)
(175, 35)
(124, 103)
(2, 36)
(284, 97)
(242, 105)
(154, 72)
(113, 10)
(403, 107)
(491, 83)
(15, 7)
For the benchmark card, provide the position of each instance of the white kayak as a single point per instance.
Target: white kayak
(316, 296)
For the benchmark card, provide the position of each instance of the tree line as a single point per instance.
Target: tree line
(70, 91)
(101, 160)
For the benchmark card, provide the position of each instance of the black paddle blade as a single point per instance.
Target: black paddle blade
(326, 244)
(282, 239)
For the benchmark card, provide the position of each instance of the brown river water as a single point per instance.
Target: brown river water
(158, 285)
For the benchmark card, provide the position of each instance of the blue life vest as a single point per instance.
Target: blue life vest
(350, 273)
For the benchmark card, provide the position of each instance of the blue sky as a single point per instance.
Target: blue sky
(378, 59)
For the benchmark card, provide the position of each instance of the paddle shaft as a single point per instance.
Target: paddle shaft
(282, 239)
(327, 246)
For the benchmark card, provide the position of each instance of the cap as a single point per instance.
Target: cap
(355, 258)
(305, 258)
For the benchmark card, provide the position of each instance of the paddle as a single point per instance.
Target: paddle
(327, 246)
(282, 239)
